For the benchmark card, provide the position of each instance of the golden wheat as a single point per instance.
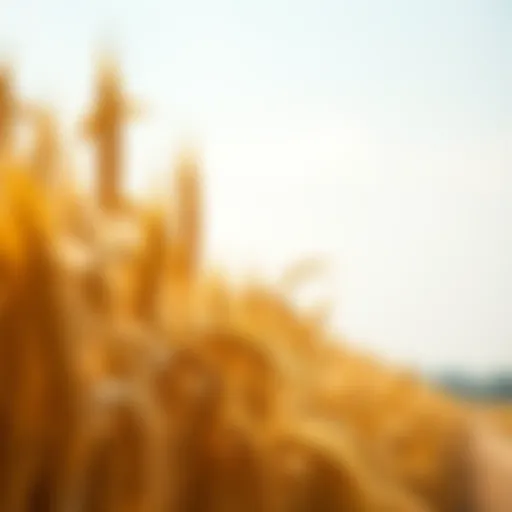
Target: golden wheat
(134, 378)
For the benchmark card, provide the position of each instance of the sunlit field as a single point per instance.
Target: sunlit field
(136, 377)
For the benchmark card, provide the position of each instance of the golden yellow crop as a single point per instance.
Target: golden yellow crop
(136, 379)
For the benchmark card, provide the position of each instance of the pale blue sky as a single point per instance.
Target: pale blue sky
(376, 132)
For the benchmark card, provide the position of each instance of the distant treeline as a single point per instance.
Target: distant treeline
(497, 387)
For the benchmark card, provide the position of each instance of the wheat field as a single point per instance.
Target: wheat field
(136, 378)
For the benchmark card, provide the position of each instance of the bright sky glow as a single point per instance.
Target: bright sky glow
(376, 133)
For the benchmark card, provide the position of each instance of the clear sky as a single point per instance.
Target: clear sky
(378, 134)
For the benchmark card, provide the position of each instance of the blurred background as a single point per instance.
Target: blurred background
(375, 134)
